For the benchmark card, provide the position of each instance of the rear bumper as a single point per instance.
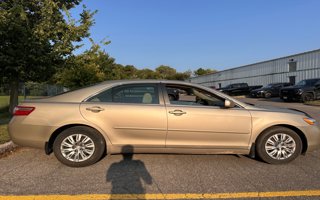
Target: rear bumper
(28, 135)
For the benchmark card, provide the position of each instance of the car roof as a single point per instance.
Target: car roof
(81, 94)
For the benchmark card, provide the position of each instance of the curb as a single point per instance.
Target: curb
(7, 147)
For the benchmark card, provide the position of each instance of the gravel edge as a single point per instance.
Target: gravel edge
(7, 147)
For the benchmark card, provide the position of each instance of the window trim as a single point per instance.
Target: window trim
(156, 85)
(168, 104)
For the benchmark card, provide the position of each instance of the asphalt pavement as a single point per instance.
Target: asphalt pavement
(30, 172)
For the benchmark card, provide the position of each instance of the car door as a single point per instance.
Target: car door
(129, 114)
(198, 119)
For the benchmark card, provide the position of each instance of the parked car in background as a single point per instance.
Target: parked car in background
(305, 90)
(83, 125)
(238, 89)
(271, 90)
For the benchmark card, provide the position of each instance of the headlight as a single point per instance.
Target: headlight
(299, 91)
(309, 120)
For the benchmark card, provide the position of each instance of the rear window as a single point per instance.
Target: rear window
(144, 94)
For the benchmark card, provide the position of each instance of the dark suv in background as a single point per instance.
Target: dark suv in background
(238, 89)
(305, 90)
(271, 90)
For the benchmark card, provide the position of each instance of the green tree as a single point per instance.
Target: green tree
(165, 72)
(36, 37)
(87, 68)
(147, 74)
(200, 71)
(181, 76)
(129, 72)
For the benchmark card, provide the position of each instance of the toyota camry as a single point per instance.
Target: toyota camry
(81, 126)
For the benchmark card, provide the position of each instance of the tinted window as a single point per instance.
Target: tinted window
(244, 85)
(145, 94)
(312, 82)
(184, 95)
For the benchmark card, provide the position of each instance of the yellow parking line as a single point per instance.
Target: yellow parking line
(166, 196)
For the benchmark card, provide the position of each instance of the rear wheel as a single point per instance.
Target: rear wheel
(279, 145)
(79, 146)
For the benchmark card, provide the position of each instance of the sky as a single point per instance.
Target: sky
(188, 34)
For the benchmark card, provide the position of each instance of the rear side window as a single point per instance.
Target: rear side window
(141, 94)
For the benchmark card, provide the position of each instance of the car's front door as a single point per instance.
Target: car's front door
(198, 119)
(130, 114)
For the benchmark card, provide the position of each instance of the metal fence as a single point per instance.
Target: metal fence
(34, 89)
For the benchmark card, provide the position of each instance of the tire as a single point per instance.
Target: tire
(307, 97)
(267, 95)
(87, 151)
(291, 141)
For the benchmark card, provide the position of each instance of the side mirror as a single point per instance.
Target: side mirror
(228, 104)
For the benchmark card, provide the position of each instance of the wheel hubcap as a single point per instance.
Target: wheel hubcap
(77, 147)
(280, 146)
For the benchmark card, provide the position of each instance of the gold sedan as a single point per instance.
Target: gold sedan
(155, 116)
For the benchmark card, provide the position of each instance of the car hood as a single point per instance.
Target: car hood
(278, 110)
(258, 90)
(292, 87)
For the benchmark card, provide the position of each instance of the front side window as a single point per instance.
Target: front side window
(185, 95)
(144, 94)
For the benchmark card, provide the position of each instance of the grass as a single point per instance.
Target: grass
(4, 136)
(4, 101)
(4, 120)
(313, 103)
(5, 117)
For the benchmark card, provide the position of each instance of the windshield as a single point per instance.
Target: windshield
(302, 83)
(269, 86)
(307, 82)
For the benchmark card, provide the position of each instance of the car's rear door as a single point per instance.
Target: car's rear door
(198, 120)
(130, 114)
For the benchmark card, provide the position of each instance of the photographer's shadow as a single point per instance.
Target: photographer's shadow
(128, 176)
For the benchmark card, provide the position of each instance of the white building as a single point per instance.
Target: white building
(292, 69)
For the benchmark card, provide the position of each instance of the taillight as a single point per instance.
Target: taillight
(23, 110)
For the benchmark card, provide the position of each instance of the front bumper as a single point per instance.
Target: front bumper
(312, 134)
(291, 95)
(257, 94)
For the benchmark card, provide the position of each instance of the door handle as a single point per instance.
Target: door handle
(177, 112)
(95, 109)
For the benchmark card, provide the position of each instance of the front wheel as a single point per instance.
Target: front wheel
(307, 97)
(79, 146)
(267, 95)
(279, 145)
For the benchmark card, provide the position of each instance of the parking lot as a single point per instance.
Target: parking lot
(158, 176)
